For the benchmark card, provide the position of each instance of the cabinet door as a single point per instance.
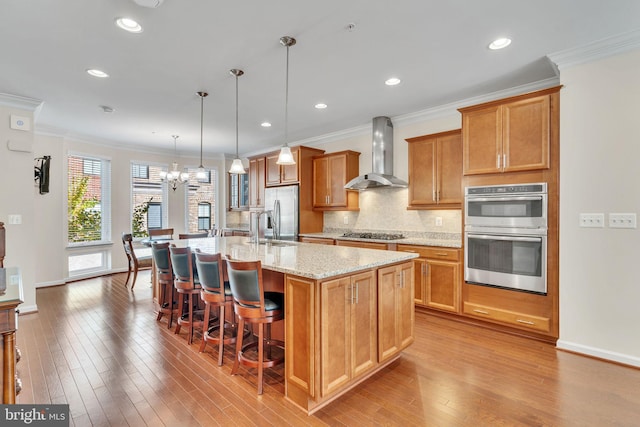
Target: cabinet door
(289, 173)
(482, 140)
(320, 182)
(442, 287)
(256, 182)
(526, 134)
(335, 334)
(422, 172)
(395, 309)
(363, 325)
(337, 180)
(449, 170)
(272, 170)
(419, 281)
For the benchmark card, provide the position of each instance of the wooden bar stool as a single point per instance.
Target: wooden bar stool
(254, 306)
(164, 277)
(186, 284)
(216, 294)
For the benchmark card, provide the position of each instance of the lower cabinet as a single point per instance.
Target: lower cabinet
(396, 312)
(348, 334)
(521, 320)
(318, 240)
(437, 277)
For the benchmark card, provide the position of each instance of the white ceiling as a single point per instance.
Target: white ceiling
(438, 49)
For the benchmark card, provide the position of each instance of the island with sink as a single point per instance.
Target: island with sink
(349, 312)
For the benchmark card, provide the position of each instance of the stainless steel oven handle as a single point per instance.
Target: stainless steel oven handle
(504, 199)
(509, 238)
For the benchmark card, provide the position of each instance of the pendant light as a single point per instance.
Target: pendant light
(285, 157)
(237, 166)
(174, 176)
(201, 174)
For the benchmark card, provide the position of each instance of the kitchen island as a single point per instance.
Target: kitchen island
(348, 311)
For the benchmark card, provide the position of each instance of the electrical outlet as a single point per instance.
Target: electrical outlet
(622, 220)
(346, 219)
(438, 221)
(594, 220)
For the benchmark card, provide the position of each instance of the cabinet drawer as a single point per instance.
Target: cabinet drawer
(318, 240)
(506, 316)
(432, 252)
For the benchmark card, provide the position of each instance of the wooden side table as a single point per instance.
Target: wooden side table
(10, 298)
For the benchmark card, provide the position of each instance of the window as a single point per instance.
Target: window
(88, 214)
(88, 200)
(201, 201)
(204, 216)
(149, 196)
(238, 191)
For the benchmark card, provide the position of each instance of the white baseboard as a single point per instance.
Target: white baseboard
(625, 359)
(25, 309)
(52, 283)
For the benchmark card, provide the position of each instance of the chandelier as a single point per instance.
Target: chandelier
(174, 176)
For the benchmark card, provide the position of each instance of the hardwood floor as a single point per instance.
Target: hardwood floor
(98, 347)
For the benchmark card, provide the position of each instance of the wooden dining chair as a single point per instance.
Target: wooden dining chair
(160, 233)
(135, 263)
(183, 236)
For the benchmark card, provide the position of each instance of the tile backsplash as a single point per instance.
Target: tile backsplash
(385, 210)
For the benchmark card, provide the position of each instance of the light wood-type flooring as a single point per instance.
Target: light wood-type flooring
(97, 346)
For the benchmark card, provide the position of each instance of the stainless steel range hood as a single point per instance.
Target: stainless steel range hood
(382, 159)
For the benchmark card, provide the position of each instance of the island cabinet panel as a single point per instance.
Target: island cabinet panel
(300, 336)
(348, 336)
(510, 135)
(395, 309)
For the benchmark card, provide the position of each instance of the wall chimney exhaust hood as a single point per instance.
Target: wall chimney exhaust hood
(382, 159)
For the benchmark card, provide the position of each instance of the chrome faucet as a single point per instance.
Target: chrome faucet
(255, 224)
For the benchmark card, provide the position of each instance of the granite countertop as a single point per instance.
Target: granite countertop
(409, 240)
(299, 259)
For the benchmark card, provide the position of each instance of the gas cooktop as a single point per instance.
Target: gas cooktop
(373, 236)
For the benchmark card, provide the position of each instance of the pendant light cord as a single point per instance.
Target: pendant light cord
(237, 116)
(286, 102)
(201, 125)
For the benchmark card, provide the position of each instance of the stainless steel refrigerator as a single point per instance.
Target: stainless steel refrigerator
(283, 222)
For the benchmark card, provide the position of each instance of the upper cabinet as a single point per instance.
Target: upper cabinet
(330, 174)
(256, 182)
(435, 171)
(509, 135)
(238, 191)
(282, 174)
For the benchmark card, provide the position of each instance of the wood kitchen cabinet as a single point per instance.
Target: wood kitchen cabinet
(509, 135)
(435, 171)
(330, 174)
(317, 240)
(437, 275)
(395, 309)
(282, 174)
(256, 182)
(348, 329)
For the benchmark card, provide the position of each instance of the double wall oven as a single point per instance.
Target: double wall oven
(506, 236)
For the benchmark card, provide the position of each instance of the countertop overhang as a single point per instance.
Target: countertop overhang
(300, 259)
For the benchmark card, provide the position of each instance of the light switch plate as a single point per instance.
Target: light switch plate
(622, 220)
(592, 220)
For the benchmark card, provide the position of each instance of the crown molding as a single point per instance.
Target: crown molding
(596, 50)
(21, 102)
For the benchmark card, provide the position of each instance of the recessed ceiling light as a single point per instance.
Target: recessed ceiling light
(500, 43)
(321, 106)
(129, 24)
(265, 124)
(97, 73)
(392, 81)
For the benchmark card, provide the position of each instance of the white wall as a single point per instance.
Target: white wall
(16, 198)
(600, 172)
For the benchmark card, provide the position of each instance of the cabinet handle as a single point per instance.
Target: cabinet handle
(498, 162)
(475, 310)
(441, 253)
(357, 292)
(526, 322)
